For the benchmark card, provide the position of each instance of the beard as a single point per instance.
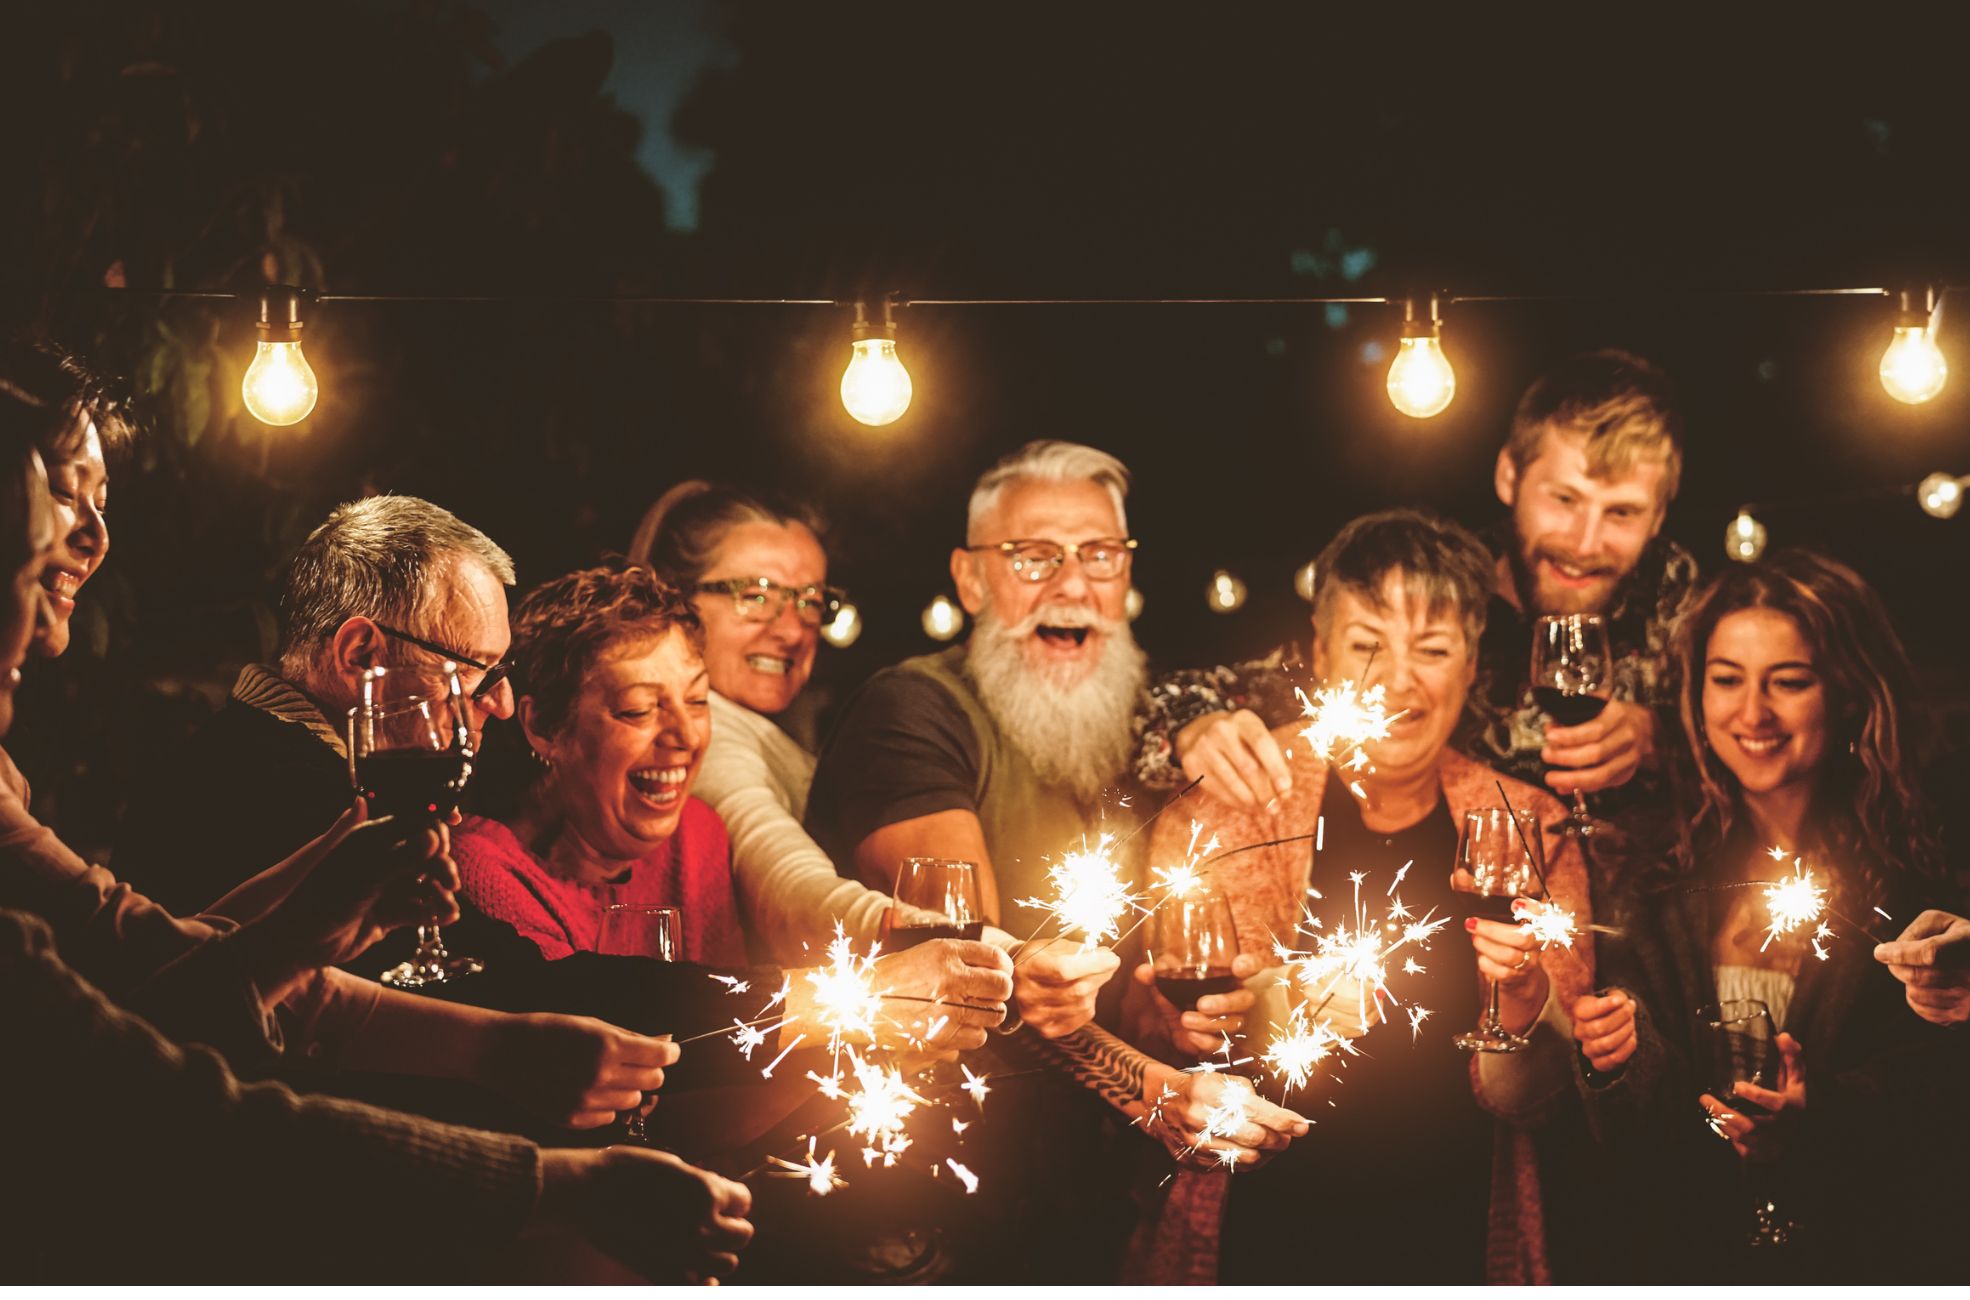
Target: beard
(1074, 722)
(1551, 598)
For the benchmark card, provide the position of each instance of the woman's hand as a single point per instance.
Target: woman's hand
(1605, 1029)
(1508, 955)
(1219, 1016)
(668, 1220)
(1208, 1120)
(1762, 1138)
(945, 993)
(1055, 981)
(1932, 957)
(573, 1070)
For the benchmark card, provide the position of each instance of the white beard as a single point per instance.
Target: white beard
(1074, 723)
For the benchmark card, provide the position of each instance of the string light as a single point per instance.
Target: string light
(1226, 593)
(1913, 369)
(1303, 582)
(942, 618)
(845, 628)
(875, 388)
(1744, 537)
(1941, 495)
(280, 387)
(1132, 604)
(1421, 382)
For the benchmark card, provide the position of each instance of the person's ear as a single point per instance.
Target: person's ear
(355, 646)
(964, 574)
(1505, 478)
(537, 740)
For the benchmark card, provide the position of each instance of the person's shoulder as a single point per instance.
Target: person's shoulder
(481, 843)
(700, 824)
(1472, 784)
(914, 688)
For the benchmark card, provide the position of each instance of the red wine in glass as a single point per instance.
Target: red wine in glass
(1571, 667)
(1567, 710)
(904, 937)
(413, 782)
(1192, 940)
(1183, 989)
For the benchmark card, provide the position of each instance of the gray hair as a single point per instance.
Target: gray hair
(1444, 567)
(1058, 462)
(378, 558)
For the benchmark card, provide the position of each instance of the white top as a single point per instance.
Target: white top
(1771, 987)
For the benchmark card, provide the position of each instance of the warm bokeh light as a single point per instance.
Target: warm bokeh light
(1913, 369)
(1940, 495)
(875, 388)
(1421, 382)
(280, 386)
(1303, 582)
(942, 619)
(1132, 604)
(1744, 538)
(844, 628)
(1226, 592)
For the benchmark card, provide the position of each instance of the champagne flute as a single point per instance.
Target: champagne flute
(1192, 941)
(1571, 670)
(1739, 1044)
(641, 930)
(937, 898)
(1495, 867)
(410, 757)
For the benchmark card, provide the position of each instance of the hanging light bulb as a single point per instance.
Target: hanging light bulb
(1913, 369)
(1940, 495)
(842, 630)
(1132, 604)
(1226, 593)
(1303, 582)
(1421, 382)
(942, 619)
(279, 387)
(1744, 539)
(875, 388)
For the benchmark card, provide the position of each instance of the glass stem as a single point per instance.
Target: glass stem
(1493, 1022)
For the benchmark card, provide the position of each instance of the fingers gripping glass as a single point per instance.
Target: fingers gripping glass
(1495, 866)
(410, 757)
(1738, 1043)
(760, 600)
(641, 930)
(494, 673)
(1103, 560)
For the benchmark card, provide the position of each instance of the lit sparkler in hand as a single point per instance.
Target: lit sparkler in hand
(1795, 902)
(1359, 953)
(1089, 896)
(1184, 879)
(1341, 720)
(1551, 925)
(879, 1107)
(1302, 1045)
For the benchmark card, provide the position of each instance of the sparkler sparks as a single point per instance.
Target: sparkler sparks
(1550, 924)
(1342, 719)
(1089, 897)
(1359, 952)
(1795, 902)
(843, 998)
(878, 1109)
(1301, 1046)
(975, 1085)
(965, 1176)
(1417, 1015)
(820, 1174)
(732, 983)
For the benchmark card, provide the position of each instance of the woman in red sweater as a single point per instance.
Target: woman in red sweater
(614, 706)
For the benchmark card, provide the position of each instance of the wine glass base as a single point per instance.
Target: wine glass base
(1491, 1040)
(413, 975)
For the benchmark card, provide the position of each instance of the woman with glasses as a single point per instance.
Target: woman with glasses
(1801, 724)
(758, 575)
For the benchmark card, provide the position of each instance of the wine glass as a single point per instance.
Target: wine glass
(937, 898)
(1495, 866)
(1739, 1044)
(410, 757)
(640, 930)
(1571, 670)
(1192, 941)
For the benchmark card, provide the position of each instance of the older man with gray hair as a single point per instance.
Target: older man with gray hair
(389, 581)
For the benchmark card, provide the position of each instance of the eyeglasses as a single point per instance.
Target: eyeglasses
(760, 600)
(1103, 560)
(494, 673)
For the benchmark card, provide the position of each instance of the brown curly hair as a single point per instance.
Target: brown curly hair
(563, 627)
(1868, 809)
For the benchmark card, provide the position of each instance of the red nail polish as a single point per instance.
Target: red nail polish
(1470, 923)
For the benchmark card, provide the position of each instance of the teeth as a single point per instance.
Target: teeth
(63, 584)
(768, 664)
(659, 780)
(1761, 745)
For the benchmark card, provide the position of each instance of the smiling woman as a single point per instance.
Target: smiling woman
(614, 705)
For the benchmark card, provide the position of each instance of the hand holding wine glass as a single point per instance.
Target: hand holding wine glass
(1495, 866)
(641, 930)
(1195, 967)
(1572, 675)
(1757, 1084)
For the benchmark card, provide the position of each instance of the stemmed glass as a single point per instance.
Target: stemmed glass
(1192, 940)
(1571, 670)
(1739, 1043)
(937, 899)
(410, 757)
(1495, 866)
(641, 930)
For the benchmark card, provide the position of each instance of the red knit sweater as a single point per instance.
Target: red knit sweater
(691, 872)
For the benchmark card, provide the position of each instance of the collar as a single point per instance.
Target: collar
(260, 687)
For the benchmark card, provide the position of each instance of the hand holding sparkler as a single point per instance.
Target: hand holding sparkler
(668, 1220)
(1212, 1120)
(1244, 761)
(1604, 1026)
(1932, 957)
(944, 994)
(1055, 982)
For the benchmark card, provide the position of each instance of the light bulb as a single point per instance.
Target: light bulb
(875, 388)
(1940, 495)
(1303, 582)
(842, 630)
(1744, 538)
(942, 619)
(280, 386)
(1226, 593)
(1913, 369)
(1421, 382)
(1132, 604)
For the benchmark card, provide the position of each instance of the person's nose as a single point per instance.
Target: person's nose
(496, 703)
(91, 533)
(1592, 525)
(683, 730)
(1755, 709)
(1070, 581)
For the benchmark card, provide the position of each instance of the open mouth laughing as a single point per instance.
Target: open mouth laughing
(61, 586)
(662, 788)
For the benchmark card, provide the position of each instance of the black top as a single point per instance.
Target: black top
(1392, 1183)
(910, 753)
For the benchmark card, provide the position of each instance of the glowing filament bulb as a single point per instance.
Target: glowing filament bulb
(1226, 593)
(1421, 382)
(1913, 369)
(875, 388)
(279, 387)
(1940, 495)
(1744, 538)
(942, 619)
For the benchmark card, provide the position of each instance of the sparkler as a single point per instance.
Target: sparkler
(1342, 720)
(1794, 902)
(1090, 898)
(1552, 925)
(1303, 1045)
(1359, 952)
(820, 1174)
